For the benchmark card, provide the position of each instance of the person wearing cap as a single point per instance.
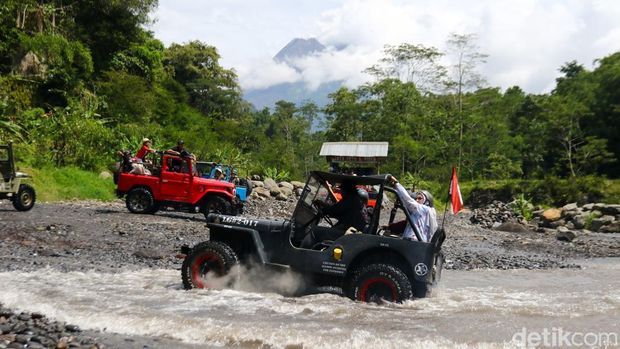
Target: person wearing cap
(145, 149)
(179, 149)
(219, 175)
(421, 211)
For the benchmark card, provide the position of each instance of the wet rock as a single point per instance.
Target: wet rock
(552, 214)
(611, 210)
(72, 328)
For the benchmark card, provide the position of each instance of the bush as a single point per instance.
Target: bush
(549, 191)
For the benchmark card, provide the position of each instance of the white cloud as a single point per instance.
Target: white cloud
(527, 40)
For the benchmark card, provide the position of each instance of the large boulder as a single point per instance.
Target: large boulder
(613, 227)
(286, 185)
(598, 223)
(552, 214)
(270, 183)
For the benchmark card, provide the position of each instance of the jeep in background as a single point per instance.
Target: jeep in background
(243, 186)
(173, 183)
(368, 266)
(12, 187)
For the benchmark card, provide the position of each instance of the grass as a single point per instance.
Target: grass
(69, 183)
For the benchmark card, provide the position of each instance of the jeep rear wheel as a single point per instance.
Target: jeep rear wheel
(376, 283)
(217, 204)
(139, 200)
(25, 198)
(206, 264)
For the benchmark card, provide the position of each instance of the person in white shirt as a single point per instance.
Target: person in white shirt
(423, 215)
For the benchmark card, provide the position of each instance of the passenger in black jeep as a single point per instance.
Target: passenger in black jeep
(350, 211)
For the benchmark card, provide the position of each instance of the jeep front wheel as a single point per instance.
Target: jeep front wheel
(206, 264)
(139, 200)
(376, 283)
(216, 204)
(25, 198)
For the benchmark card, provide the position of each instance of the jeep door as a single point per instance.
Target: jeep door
(176, 179)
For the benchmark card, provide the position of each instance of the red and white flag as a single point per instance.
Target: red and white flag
(455, 193)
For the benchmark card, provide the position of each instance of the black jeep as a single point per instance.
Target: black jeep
(368, 265)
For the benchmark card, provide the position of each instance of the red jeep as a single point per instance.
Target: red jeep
(175, 184)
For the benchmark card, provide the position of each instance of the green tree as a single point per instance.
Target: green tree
(212, 89)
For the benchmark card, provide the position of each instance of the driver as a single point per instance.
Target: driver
(350, 211)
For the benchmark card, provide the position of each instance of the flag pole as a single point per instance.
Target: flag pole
(443, 221)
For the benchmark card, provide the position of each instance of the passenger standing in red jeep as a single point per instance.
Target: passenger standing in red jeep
(145, 149)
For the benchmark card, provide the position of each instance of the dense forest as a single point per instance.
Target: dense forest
(80, 80)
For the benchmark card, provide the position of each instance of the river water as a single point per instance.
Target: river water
(470, 309)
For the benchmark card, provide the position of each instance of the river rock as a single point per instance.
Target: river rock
(512, 227)
(270, 183)
(286, 185)
(286, 191)
(597, 223)
(297, 184)
(258, 184)
(569, 207)
(552, 214)
(611, 210)
(557, 223)
(275, 191)
(588, 207)
(281, 197)
(262, 192)
(565, 235)
(579, 222)
(611, 228)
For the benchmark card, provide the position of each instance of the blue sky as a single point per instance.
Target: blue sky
(526, 40)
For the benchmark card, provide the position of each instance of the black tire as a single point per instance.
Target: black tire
(208, 256)
(156, 206)
(140, 200)
(25, 198)
(376, 283)
(217, 204)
